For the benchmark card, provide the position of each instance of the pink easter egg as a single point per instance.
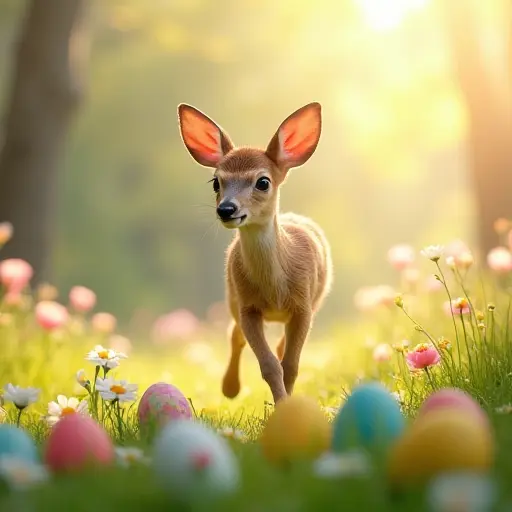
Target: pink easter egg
(77, 442)
(162, 403)
(453, 398)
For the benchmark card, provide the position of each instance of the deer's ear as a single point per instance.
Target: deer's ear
(206, 142)
(297, 137)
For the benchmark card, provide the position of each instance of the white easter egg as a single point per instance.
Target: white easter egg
(192, 462)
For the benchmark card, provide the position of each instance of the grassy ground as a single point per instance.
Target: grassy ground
(478, 359)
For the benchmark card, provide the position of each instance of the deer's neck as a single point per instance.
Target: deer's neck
(263, 248)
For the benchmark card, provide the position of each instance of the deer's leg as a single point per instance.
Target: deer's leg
(296, 332)
(251, 321)
(231, 380)
(280, 348)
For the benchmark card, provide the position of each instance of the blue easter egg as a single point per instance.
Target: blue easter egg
(370, 418)
(17, 443)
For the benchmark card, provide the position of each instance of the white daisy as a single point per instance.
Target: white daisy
(64, 407)
(82, 379)
(128, 456)
(461, 491)
(433, 252)
(105, 357)
(232, 433)
(111, 389)
(21, 397)
(20, 474)
(339, 465)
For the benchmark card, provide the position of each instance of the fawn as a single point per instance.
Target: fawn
(278, 266)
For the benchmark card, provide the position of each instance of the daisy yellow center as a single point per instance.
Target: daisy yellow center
(103, 354)
(131, 457)
(422, 347)
(117, 389)
(66, 411)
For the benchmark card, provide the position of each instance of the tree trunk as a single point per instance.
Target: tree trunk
(45, 93)
(488, 100)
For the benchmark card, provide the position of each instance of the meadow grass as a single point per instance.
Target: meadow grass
(472, 337)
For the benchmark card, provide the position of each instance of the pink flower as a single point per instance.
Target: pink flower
(499, 259)
(120, 344)
(369, 298)
(104, 323)
(382, 352)
(401, 256)
(15, 274)
(6, 231)
(82, 299)
(51, 315)
(411, 275)
(458, 306)
(422, 356)
(455, 248)
(432, 284)
(179, 324)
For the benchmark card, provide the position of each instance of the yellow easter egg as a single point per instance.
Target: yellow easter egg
(297, 429)
(441, 440)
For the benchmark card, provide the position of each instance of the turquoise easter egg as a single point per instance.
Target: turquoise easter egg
(16, 442)
(370, 418)
(192, 462)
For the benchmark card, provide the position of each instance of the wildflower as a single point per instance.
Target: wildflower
(51, 315)
(82, 379)
(422, 356)
(339, 465)
(444, 344)
(479, 315)
(401, 346)
(481, 326)
(504, 409)
(6, 231)
(128, 456)
(111, 389)
(502, 225)
(458, 306)
(46, 291)
(105, 357)
(399, 301)
(232, 433)
(433, 252)
(82, 299)
(491, 307)
(401, 256)
(382, 352)
(461, 491)
(21, 397)
(15, 274)
(499, 260)
(178, 324)
(104, 323)
(64, 407)
(20, 474)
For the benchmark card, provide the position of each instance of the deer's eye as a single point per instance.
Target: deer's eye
(216, 185)
(263, 184)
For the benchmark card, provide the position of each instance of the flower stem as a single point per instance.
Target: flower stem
(20, 411)
(429, 377)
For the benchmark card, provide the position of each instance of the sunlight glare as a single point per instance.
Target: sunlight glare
(382, 15)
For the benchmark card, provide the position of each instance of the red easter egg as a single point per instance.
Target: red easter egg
(453, 398)
(77, 442)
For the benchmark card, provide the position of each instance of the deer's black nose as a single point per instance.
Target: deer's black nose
(226, 210)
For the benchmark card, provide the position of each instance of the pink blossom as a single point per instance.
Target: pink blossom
(104, 323)
(499, 259)
(422, 356)
(6, 231)
(432, 284)
(458, 306)
(411, 275)
(15, 274)
(382, 352)
(51, 315)
(401, 256)
(179, 324)
(82, 299)
(369, 298)
(455, 248)
(120, 344)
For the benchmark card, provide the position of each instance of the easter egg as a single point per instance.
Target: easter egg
(297, 429)
(192, 462)
(370, 418)
(16, 442)
(441, 441)
(452, 398)
(162, 403)
(76, 442)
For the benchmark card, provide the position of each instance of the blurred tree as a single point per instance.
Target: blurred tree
(45, 92)
(479, 36)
